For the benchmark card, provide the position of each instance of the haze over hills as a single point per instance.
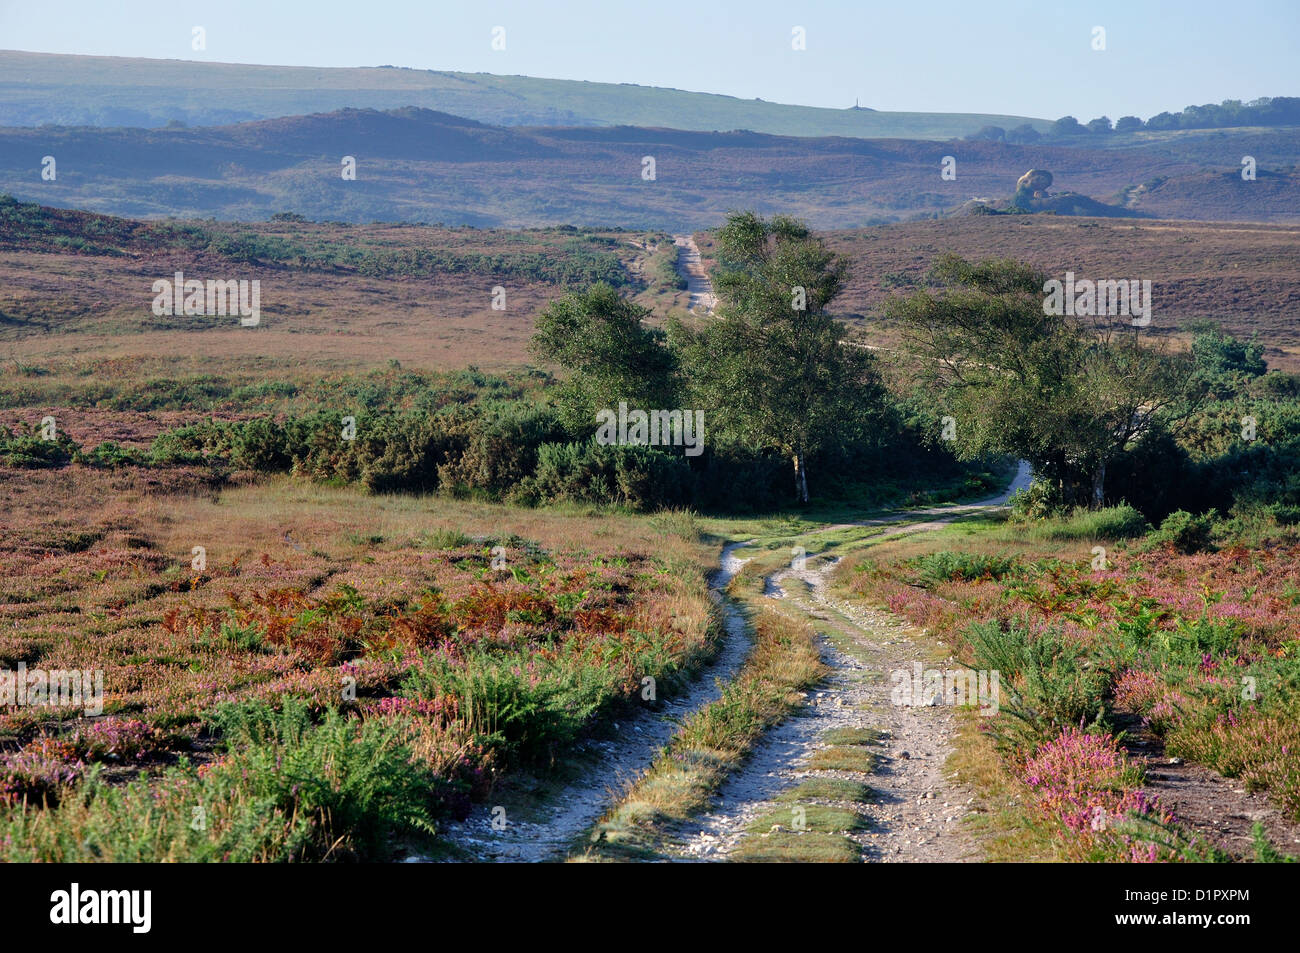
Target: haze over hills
(40, 88)
(419, 165)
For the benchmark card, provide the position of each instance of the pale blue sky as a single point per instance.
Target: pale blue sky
(998, 56)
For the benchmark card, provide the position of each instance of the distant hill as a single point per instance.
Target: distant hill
(420, 165)
(69, 90)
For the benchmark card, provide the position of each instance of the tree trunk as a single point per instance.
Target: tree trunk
(1099, 486)
(800, 477)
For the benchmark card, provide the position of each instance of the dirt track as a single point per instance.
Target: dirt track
(689, 266)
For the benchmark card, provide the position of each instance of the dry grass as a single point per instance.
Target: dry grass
(93, 562)
(73, 309)
(1242, 274)
(1008, 830)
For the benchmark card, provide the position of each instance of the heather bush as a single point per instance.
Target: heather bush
(38, 775)
(1085, 783)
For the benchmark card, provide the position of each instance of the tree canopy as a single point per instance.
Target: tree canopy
(1067, 395)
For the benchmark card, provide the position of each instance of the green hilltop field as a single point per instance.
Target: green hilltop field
(40, 88)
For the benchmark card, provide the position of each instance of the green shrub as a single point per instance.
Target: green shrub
(524, 716)
(354, 780)
(1044, 683)
(26, 448)
(1184, 532)
(287, 790)
(664, 267)
(638, 477)
(1039, 500)
(108, 455)
(936, 568)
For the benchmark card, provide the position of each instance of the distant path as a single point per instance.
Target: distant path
(691, 268)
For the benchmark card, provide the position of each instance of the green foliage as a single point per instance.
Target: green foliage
(637, 477)
(1184, 532)
(355, 781)
(936, 568)
(1109, 523)
(525, 716)
(1065, 395)
(664, 267)
(611, 354)
(26, 448)
(287, 790)
(1218, 353)
(1045, 685)
(445, 539)
(773, 364)
(1265, 852)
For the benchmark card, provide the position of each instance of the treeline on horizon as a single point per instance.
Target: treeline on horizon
(1265, 111)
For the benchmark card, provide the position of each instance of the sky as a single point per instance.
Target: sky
(1014, 57)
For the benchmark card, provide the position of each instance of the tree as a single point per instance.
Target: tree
(1066, 126)
(1065, 395)
(1023, 134)
(1128, 124)
(773, 367)
(1099, 125)
(1221, 355)
(611, 354)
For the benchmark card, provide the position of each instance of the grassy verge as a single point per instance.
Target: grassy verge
(1093, 627)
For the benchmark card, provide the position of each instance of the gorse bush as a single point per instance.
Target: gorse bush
(27, 448)
(935, 568)
(108, 455)
(1184, 532)
(1046, 686)
(640, 477)
(664, 267)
